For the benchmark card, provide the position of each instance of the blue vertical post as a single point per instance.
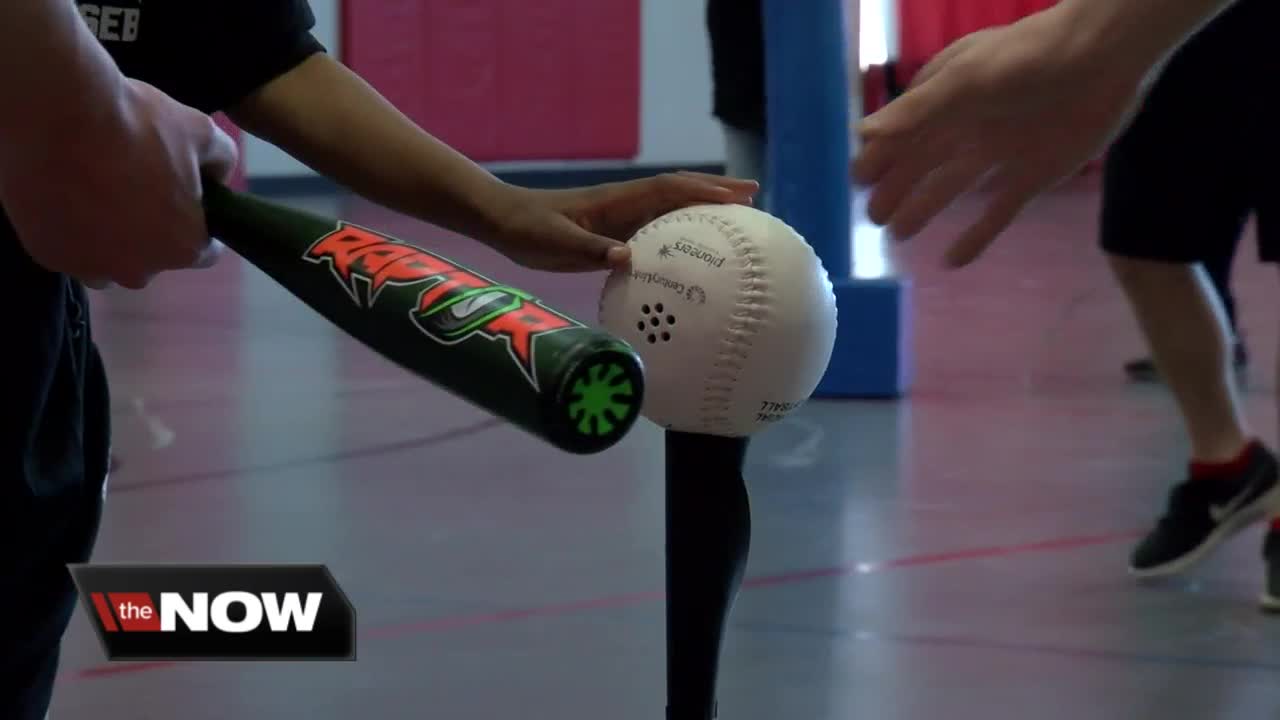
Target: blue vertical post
(809, 187)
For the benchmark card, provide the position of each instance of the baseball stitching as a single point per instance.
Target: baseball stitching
(744, 323)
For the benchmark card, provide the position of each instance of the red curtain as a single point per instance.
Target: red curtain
(925, 27)
(928, 26)
(506, 79)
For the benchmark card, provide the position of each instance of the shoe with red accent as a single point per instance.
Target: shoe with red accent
(1204, 512)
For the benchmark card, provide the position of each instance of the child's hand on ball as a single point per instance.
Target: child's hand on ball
(586, 229)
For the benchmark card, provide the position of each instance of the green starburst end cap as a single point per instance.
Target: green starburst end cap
(604, 399)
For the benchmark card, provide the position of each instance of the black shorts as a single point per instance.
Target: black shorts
(1201, 156)
(54, 459)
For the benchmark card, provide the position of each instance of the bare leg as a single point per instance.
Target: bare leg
(1217, 266)
(1186, 328)
(1218, 271)
(1270, 600)
(1232, 479)
(708, 536)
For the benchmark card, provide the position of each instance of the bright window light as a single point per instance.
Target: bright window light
(875, 28)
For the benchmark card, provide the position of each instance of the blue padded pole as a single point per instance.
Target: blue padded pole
(807, 179)
(807, 184)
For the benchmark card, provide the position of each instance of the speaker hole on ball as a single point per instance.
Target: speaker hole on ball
(640, 326)
(666, 337)
(657, 308)
(671, 319)
(652, 338)
(644, 309)
(655, 322)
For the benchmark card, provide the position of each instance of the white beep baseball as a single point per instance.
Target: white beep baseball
(732, 313)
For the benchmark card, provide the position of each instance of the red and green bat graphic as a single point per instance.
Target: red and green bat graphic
(494, 345)
(455, 305)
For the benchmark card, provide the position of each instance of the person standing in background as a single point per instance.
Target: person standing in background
(989, 112)
(736, 32)
(1180, 183)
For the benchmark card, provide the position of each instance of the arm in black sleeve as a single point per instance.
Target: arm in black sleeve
(259, 40)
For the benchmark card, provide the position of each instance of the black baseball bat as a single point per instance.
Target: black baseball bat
(494, 345)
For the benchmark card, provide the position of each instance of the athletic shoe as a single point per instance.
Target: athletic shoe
(1270, 601)
(1201, 513)
(1144, 369)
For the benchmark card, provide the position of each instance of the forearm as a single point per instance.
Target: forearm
(67, 84)
(1137, 34)
(327, 117)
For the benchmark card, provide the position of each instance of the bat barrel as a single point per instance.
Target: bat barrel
(495, 346)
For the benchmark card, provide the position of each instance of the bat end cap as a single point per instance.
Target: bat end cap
(599, 400)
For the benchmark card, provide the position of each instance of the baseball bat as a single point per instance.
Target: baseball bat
(496, 346)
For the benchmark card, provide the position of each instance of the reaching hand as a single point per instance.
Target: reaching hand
(1012, 110)
(586, 229)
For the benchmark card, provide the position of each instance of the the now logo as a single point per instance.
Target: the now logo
(240, 612)
(234, 611)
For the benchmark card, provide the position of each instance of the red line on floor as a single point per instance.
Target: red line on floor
(1055, 545)
(457, 622)
(462, 621)
(118, 669)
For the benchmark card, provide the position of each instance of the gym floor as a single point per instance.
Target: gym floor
(959, 554)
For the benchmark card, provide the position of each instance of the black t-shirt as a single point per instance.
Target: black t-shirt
(735, 29)
(208, 55)
(204, 54)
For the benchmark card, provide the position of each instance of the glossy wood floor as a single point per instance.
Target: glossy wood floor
(960, 554)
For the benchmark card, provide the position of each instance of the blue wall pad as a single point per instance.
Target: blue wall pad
(808, 185)
(872, 358)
